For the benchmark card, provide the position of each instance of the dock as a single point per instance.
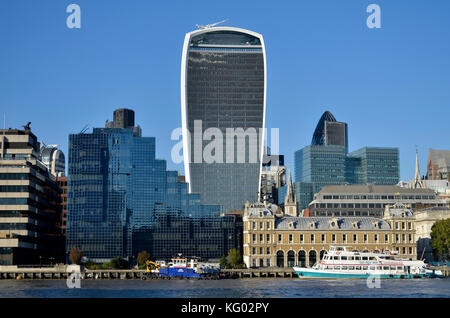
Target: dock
(108, 274)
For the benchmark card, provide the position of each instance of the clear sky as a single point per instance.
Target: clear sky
(391, 85)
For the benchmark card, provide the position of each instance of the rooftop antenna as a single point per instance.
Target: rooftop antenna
(84, 129)
(208, 26)
(4, 120)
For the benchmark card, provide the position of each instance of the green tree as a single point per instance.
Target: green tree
(143, 257)
(440, 238)
(119, 263)
(224, 262)
(235, 258)
(75, 255)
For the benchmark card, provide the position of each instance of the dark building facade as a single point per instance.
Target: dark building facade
(223, 87)
(119, 193)
(30, 209)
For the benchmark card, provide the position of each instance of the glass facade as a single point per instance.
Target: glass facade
(118, 193)
(225, 89)
(377, 166)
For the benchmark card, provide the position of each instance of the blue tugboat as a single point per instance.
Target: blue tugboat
(182, 268)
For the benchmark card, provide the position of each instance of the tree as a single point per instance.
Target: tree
(223, 262)
(120, 263)
(440, 238)
(143, 257)
(235, 258)
(75, 255)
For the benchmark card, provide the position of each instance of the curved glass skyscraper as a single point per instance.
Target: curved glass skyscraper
(223, 90)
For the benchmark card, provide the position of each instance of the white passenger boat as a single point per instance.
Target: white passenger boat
(340, 262)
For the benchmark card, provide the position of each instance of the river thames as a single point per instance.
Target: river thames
(229, 288)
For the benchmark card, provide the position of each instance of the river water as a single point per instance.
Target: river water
(229, 288)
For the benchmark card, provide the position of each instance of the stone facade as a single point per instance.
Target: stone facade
(274, 239)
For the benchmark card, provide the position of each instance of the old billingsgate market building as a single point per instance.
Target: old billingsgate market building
(276, 238)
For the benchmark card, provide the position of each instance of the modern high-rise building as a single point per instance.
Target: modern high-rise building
(327, 162)
(223, 87)
(374, 165)
(30, 210)
(330, 132)
(122, 200)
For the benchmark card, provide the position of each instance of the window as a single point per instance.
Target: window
(344, 258)
(312, 237)
(301, 238)
(323, 238)
(403, 250)
(254, 251)
(410, 250)
(344, 268)
(365, 238)
(386, 268)
(344, 238)
(355, 238)
(403, 225)
(290, 238)
(268, 262)
(279, 238)
(268, 251)
(333, 238)
(261, 238)
(254, 238)
(364, 258)
(375, 237)
(409, 238)
(254, 225)
(386, 238)
(261, 250)
(260, 225)
(267, 225)
(396, 225)
(268, 238)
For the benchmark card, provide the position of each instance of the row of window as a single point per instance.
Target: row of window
(323, 238)
(378, 197)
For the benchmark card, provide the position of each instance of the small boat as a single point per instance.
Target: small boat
(340, 262)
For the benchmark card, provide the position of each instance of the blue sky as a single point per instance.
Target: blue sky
(391, 85)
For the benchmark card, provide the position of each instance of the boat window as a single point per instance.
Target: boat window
(344, 268)
(373, 258)
(392, 268)
(351, 258)
(378, 268)
(351, 268)
(364, 268)
(364, 258)
(358, 258)
(399, 268)
(372, 268)
(358, 268)
(344, 258)
(386, 268)
(335, 257)
(337, 268)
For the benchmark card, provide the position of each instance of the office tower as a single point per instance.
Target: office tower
(122, 200)
(223, 85)
(30, 211)
(438, 165)
(53, 158)
(330, 132)
(376, 166)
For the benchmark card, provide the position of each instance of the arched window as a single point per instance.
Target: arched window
(280, 259)
(312, 258)
(291, 259)
(302, 258)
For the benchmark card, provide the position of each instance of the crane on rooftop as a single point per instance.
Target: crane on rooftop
(202, 27)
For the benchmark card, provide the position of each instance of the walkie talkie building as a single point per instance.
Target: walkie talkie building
(223, 89)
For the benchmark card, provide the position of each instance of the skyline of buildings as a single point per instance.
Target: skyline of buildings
(121, 199)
